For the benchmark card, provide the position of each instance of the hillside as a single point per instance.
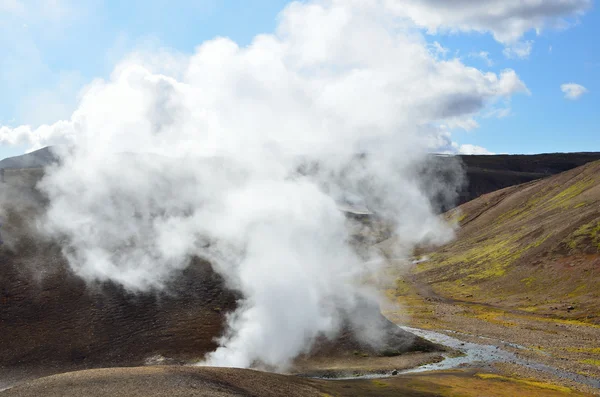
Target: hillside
(228, 382)
(36, 159)
(486, 174)
(534, 246)
(523, 271)
(50, 318)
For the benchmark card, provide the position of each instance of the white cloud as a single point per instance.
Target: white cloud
(519, 50)
(506, 20)
(483, 55)
(499, 112)
(573, 91)
(448, 147)
(396, 84)
(439, 50)
(472, 149)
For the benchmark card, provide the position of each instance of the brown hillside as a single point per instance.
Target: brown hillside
(50, 318)
(533, 247)
(227, 382)
(486, 174)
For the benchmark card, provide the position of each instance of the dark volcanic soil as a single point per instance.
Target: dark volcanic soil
(50, 318)
(486, 174)
(186, 381)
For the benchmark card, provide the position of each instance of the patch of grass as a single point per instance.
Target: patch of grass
(530, 309)
(569, 193)
(495, 318)
(549, 199)
(577, 323)
(455, 216)
(591, 362)
(360, 354)
(489, 315)
(529, 382)
(402, 287)
(592, 350)
(588, 233)
(379, 383)
(578, 291)
(448, 384)
(505, 318)
(485, 260)
(528, 281)
(523, 211)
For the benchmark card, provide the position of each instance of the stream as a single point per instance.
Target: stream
(475, 353)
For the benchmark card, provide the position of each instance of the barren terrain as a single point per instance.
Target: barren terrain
(522, 276)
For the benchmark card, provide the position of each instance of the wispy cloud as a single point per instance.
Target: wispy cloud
(573, 91)
(520, 50)
(483, 55)
(498, 113)
(472, 149)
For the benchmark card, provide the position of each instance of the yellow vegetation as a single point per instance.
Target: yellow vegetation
(591, 362)
(588, 232)
(379, 383)
(592, 350)
(541, 385)
(567, 194)
(446, 384)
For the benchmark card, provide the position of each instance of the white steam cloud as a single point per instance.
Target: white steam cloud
(243, 156)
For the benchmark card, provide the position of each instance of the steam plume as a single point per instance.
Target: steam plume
(243, 156)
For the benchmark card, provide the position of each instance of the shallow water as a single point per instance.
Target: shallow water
(472, 352)
(481, 354)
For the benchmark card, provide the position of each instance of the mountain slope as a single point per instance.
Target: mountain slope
(486, 174)
(230, 382)
(36, 159)
(533, 247)
(49, 317)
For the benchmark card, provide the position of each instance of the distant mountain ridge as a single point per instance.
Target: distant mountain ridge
(484, 173)
(37, 159)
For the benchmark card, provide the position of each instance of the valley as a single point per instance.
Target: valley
(510, 308)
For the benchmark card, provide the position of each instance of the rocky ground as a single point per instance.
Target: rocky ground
(523, 274)
(194, 381)
(558, 346)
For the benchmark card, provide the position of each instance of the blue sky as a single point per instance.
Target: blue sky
(50, 55)
(544, 121)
